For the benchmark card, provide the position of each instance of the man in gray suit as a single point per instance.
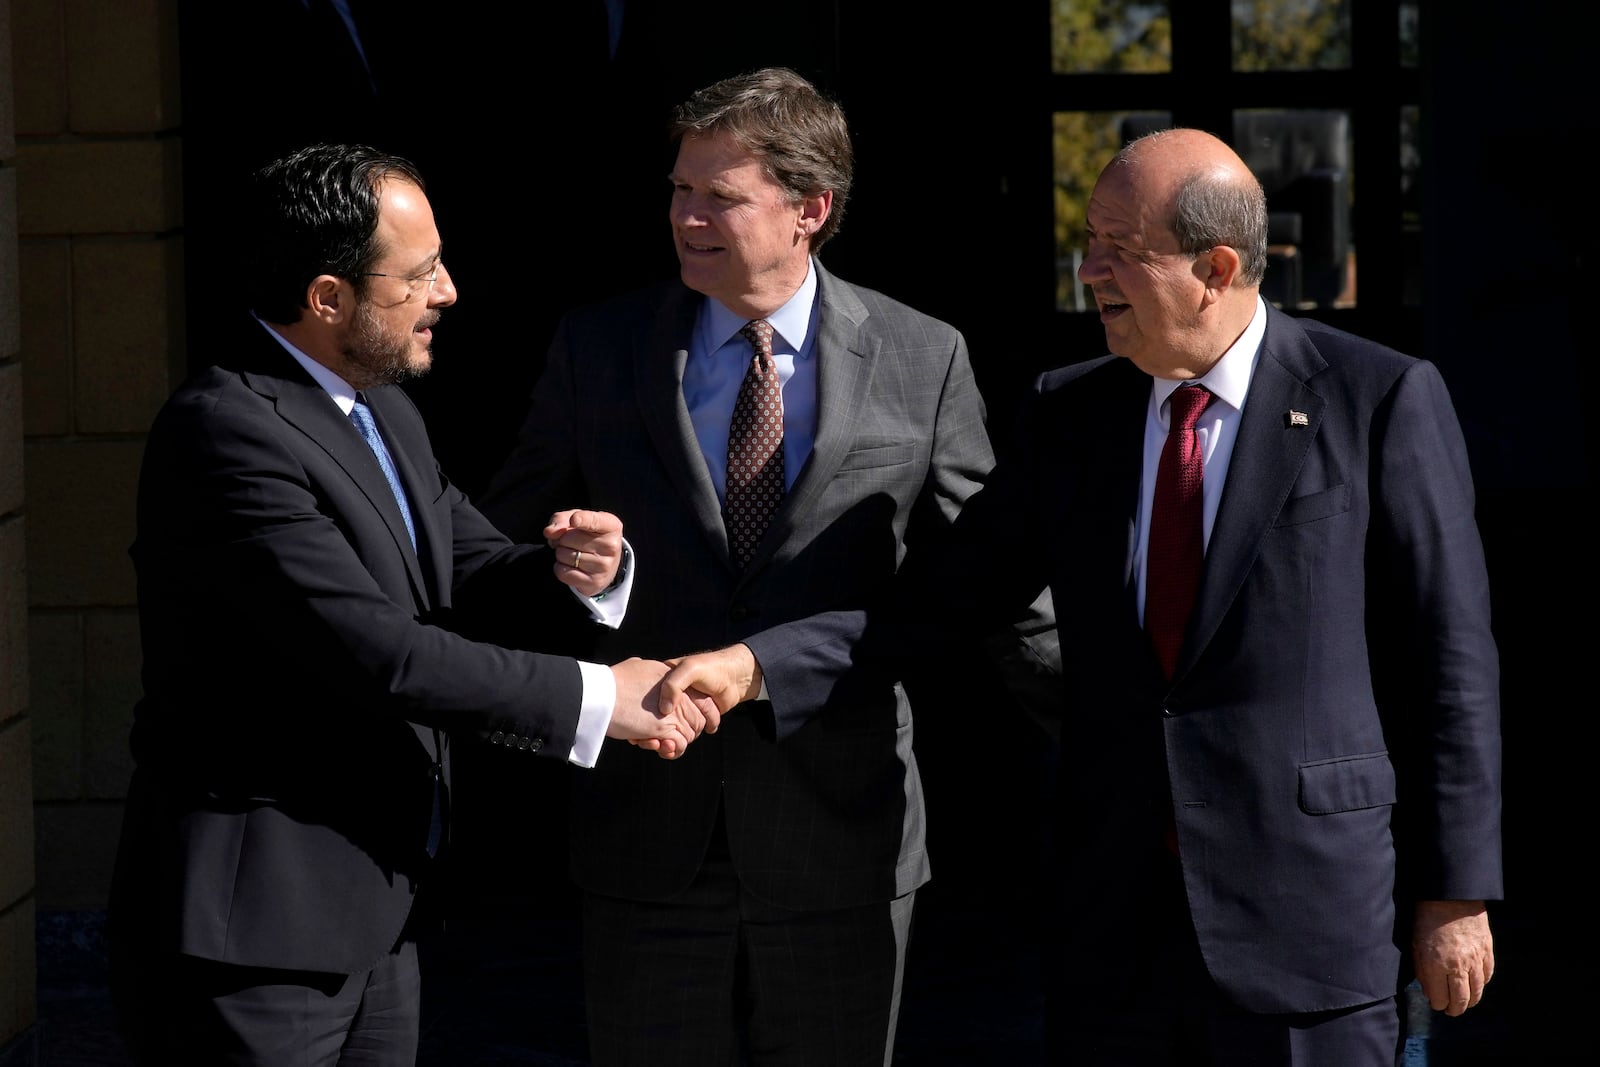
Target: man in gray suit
(755, 897)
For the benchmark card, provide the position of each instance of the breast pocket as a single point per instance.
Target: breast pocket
(1314, 506)
(875, 457)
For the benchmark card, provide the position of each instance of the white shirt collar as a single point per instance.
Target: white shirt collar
(1229, 377)
(343, 392)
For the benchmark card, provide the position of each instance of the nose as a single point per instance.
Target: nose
(685, 210)
(443, 293)
(1093, 268)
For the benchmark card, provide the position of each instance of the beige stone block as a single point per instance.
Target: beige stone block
(111, 688)
(80, 507)
(76, 847)
(10, 437)
(39, 61)
(99, 187)
(46, 277)
(10, 328)
(125, 304)
(122, 66)
(14, 636)
(19, 969)
(55, 704)
(16, 810)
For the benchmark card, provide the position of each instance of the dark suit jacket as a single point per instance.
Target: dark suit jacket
(1335, 705)
(300, 669)
(823, 801)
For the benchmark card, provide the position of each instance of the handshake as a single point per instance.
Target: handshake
(662, 706)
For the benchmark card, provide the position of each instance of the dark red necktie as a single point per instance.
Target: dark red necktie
(755, 448)
(1172, 571)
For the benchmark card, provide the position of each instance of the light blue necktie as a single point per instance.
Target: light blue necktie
(361, 415)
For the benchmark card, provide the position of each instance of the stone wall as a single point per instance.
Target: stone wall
(90, 344)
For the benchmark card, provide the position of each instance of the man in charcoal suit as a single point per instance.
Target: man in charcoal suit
(310, 587)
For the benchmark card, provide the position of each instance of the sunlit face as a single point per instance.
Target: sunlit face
(389, 336)
(1151, 296)
(740, 238)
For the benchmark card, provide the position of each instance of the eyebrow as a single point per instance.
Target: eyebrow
(428, 261)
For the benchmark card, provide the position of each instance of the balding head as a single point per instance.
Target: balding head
(1176, 247)
(1205, 193)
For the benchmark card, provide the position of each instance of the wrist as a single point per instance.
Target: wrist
(621, 575)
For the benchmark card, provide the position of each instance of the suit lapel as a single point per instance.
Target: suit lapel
(306, 406)
(845, 354)
(1267, 457)
(660, 354)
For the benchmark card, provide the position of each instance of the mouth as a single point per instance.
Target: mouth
(698, 249)
(1110, 309)
(425, 324)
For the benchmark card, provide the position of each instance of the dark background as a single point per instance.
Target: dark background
(546, 159)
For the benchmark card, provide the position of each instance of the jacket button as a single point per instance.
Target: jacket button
(498, 737)
(534, 744)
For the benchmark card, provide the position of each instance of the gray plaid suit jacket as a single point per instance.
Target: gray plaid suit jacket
(824, 805)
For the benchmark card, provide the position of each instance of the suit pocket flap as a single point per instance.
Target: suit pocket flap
(1314, 506)
(871, 457)
(1346, 784)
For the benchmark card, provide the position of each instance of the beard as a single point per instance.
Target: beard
(380, 354)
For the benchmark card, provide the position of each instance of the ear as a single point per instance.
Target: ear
(330, 299)
(1220, 266)
(813, 213)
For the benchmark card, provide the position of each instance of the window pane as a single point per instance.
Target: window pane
(1303, 159)
(1410, 49)
(1109, 37)
(1084, 142)
(1411, 205)
(1291, 34)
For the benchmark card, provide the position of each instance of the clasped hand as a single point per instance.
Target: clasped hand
(587, 546)
(663, 706)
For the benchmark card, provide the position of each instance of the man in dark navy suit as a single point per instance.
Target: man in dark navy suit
(1267, 799)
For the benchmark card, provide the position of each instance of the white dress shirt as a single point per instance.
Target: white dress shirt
(1217, 430)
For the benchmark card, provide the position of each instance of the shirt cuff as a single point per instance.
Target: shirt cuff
(608, 606)
(594, 715)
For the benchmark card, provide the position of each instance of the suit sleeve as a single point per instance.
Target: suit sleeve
(260, 562)
(805, 663)
(1434, 655)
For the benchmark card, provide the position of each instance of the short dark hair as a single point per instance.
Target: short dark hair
(798, 134)
(314, 212)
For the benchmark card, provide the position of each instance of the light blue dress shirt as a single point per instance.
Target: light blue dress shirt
(719, 356)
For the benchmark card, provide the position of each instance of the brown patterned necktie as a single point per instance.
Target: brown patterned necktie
(1172, 572)
(755, 448)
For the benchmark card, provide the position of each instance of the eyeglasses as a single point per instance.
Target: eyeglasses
(412, 281)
